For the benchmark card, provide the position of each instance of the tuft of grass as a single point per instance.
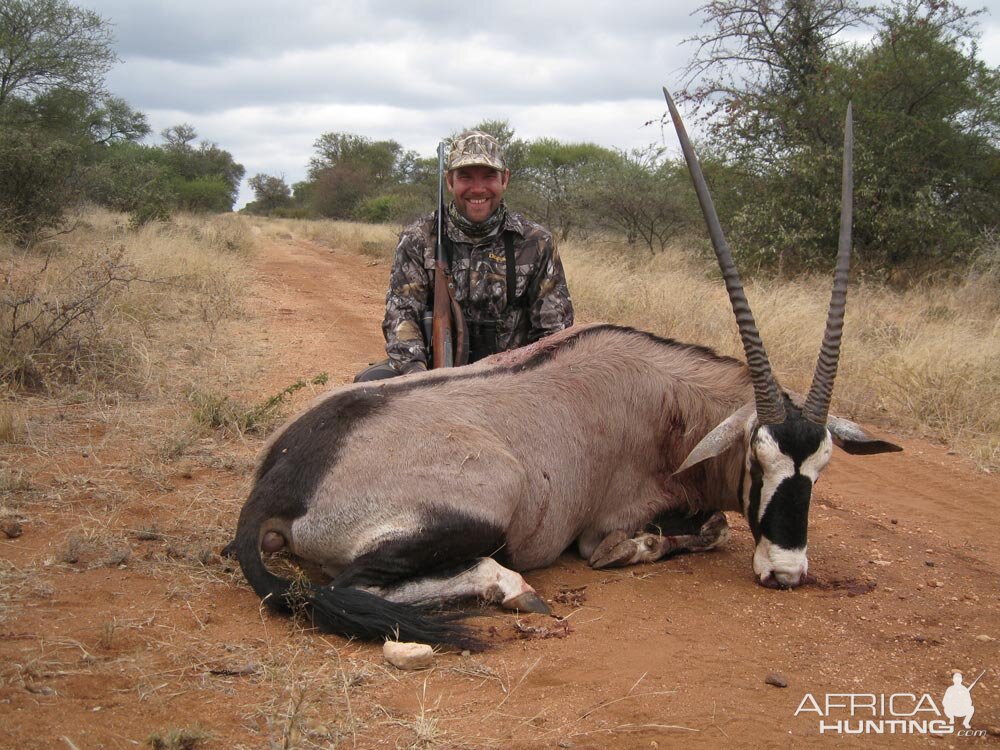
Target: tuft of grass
(13, 481)
(308, 704)
(18, 585)
(11, 424)
(426, 728)
(187, 738)
(220, 412)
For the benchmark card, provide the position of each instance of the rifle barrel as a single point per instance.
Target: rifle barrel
(439, 250)
(976, 680)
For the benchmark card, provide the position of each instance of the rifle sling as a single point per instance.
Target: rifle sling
(508, 247)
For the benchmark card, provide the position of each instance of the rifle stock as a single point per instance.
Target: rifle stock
(449, 343)
(442, 342)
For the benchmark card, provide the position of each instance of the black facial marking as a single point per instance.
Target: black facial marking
(786, 519)
(445, 543)
(756, 483)
(797, 437)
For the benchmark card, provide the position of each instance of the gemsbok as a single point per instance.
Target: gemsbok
(442, 485)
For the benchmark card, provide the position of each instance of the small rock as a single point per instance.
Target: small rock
(565, 743)
(408, 655)
(929, 563)
(985, 638)
(881, 562)
(776, 679)
(11, 528)
(236, 670)
(893, 520)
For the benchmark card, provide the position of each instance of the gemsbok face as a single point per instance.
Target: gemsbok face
(787, 443)
(782, 464)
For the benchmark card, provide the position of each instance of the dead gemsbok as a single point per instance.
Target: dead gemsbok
(442, 485)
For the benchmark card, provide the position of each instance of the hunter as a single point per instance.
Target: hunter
(508, 279)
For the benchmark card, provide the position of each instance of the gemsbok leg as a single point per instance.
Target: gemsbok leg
(618, 550)
(485, 579)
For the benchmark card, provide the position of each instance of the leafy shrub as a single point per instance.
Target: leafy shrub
(38, 181)
(206, 194)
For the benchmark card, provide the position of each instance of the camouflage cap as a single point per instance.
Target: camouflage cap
(476, 148)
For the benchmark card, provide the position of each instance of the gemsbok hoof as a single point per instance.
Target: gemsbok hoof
(616, 550)
(529, 601)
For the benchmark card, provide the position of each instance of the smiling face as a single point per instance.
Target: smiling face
(477, 190)
(783, 463)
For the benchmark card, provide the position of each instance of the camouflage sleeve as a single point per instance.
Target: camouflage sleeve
(551, 306)
(405, 302)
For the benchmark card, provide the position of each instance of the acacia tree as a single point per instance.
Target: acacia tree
(773, 79)
(270, 192)
(54, 112)
(553, 177)
(202, 178)
(640, 194)
(349, 168)
(929, 108)
(755, 75)
(50, 44)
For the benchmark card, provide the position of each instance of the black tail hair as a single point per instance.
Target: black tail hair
(343, 611)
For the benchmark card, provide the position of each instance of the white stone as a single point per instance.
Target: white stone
(408, 655)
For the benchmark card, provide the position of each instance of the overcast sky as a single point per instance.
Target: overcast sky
(265, 78)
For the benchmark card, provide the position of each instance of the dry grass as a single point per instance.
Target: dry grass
(923, 360)
(20, 584)
(187, 738)
(11, 423)
(106, 305)
(376, 241)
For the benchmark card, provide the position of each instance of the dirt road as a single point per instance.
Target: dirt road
(142, 629)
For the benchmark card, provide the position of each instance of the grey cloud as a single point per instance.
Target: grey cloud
(192, 31)
(401, 74)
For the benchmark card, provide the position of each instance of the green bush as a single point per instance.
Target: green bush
(376, 210)
(38, 181)
(204, 194)
(288, 212)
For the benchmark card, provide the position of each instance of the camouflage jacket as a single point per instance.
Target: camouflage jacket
(541, 306)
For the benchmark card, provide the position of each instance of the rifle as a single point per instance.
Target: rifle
(448, 340)
(976, 680)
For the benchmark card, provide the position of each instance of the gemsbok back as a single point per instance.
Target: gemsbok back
(441, 485)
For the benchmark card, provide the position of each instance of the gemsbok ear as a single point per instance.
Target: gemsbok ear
(727, 432)
(852, 438)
